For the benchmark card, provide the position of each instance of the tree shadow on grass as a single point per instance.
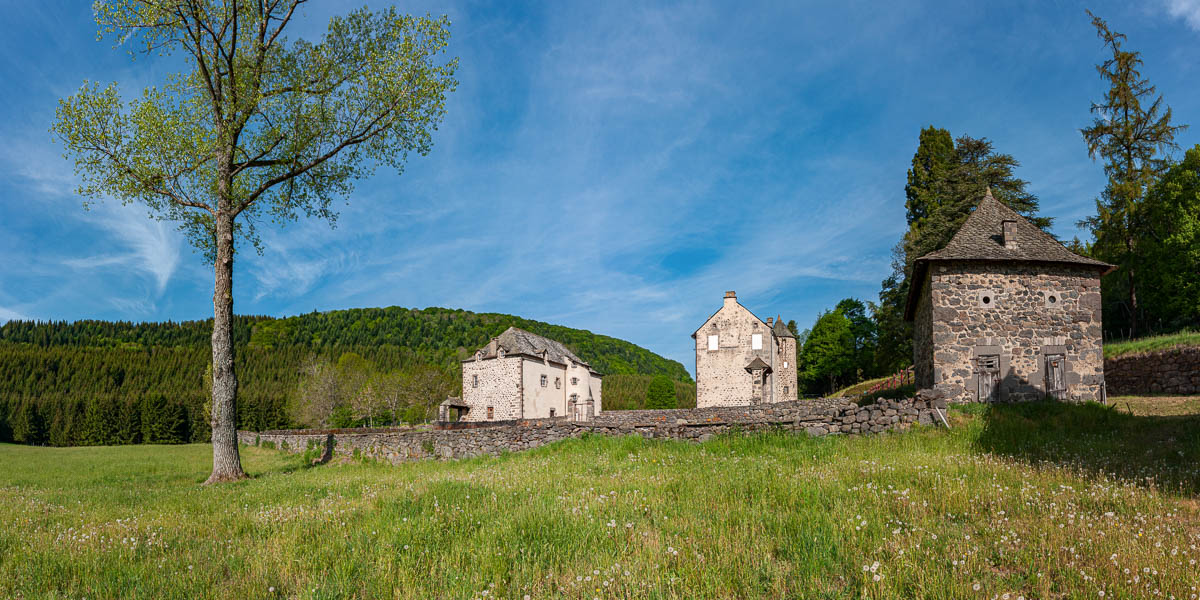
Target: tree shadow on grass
(1162, 452)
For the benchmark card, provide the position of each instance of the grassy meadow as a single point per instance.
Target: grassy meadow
(1035, 501)
(1152, 343)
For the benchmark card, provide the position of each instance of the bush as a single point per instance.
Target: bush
(661, 393)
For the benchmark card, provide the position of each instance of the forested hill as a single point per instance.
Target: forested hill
(101, 382)
(436, 335)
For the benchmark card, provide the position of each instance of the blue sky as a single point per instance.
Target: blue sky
(604, 165)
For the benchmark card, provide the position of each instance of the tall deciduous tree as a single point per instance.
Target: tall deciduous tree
(828, 355)
(257, 127)
(1132, 130)
(1168, 256)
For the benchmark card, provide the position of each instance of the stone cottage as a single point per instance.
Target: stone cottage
(1005, 312)
(521, 375)
(740, 359)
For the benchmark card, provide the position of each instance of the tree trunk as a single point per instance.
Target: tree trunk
(227, 464)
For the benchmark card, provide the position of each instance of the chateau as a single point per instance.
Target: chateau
(1004, 312)
(521, 375)
(742, 360)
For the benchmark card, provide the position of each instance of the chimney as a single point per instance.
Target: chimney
(770, 321)
(493, 346)
(730, 298)
(1010, 231)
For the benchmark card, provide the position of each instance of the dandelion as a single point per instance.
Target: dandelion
(975, 586)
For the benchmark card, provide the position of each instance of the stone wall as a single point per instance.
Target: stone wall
(1021, 313)
(1174, 371)
(499, 387)
(817, 417)
(721, 376)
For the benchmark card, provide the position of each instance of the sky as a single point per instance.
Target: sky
(611, 166)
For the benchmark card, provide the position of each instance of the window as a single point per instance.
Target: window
(785, 389)
(712, 342)
(491, 413)
(544, 379)
(987, 299)
(474, 381)
(552, 413)
(574, 381)
(785, 364)
(756, 341)
(1052, 300)
(557, 383)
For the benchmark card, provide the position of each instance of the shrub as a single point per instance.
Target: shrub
(661, 393)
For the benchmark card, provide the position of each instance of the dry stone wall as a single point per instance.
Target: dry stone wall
(813, 417)
(1175, 371)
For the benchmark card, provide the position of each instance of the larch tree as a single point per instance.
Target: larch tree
(255, 127)
(1132, 130)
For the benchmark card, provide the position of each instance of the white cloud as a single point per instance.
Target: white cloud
(1188, 10)
(8, 314)
(152, 246)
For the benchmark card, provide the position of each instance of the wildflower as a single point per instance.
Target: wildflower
(975, 586)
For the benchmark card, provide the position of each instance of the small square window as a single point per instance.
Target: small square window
(557, 383)
(552, 413)
(1053, 299)
(574, 381)
(712, 342)
(544, 380)
(491, 413)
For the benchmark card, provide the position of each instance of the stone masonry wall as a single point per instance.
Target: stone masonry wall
(499, 387)
(1174, 371)
(1032, 311)
(721, 377)
(819, 417)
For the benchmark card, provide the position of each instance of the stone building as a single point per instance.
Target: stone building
(521, 375)
(1004, 312)
(740, 359)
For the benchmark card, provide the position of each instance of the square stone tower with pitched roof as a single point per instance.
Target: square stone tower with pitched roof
(1004, 313)
(741, 359)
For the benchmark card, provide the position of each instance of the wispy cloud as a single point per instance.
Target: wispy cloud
(1188, 10)
(8, 314)
(152, 246)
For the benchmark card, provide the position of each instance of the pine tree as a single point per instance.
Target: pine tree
(1132, 138)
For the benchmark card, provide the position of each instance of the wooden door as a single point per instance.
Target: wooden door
(987, 378)
(1056, 385)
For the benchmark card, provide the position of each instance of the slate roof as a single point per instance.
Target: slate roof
(981, 238)
(781, 330)
(757, 363)
(516, 341)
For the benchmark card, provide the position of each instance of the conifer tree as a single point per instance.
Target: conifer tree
(1132, 132)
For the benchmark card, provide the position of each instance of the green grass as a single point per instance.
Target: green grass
(1152, 343)
(1040, 500)
(859, 388)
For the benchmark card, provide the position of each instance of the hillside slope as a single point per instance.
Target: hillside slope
(61, 382)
